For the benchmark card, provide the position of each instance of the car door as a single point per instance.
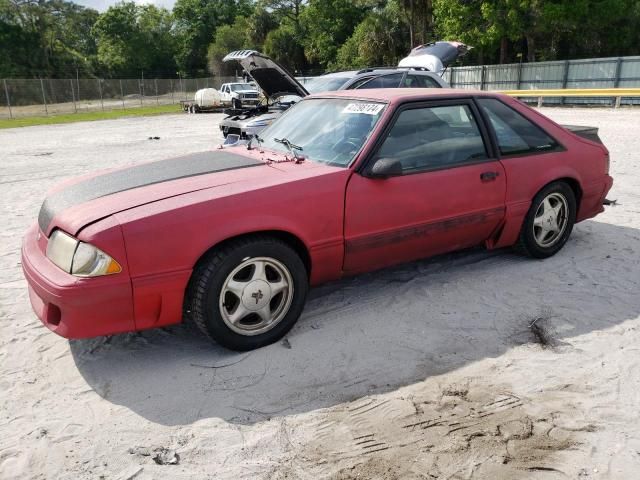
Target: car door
(225, 93)
(449, 194)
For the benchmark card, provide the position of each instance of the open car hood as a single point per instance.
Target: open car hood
(272, 78)
(435, 57)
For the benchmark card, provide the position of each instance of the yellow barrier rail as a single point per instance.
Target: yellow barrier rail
(616, 93)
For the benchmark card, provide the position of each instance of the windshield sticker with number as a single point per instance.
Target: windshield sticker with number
(367, 108)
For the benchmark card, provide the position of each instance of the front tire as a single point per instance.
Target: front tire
(248, 293)
(549, 221)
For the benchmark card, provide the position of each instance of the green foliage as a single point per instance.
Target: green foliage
(135, 38)
(539, 29)
(227, 39)
(196, 22)
(379, 39)
(59, 38)
(284, 45)
(327, 25)
(87, 116)
(45, 37)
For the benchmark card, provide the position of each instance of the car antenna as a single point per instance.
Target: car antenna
(292, 148)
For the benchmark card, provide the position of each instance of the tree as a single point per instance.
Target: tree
(135, 38)
(327, 25)
(227, 39)
(196, 22)
(45, 37)
(284, 46)
(380, 39)
(418, 15)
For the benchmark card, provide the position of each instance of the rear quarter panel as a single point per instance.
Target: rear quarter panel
(582, 161)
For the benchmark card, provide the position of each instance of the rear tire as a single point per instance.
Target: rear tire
(248, 293)
(549, 221)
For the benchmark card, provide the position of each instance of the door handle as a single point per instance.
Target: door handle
(489, 176)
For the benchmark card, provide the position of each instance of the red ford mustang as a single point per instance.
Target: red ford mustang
(342, 183)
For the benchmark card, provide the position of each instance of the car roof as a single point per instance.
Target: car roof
(376, 71)
(343, 74)
(396, 95)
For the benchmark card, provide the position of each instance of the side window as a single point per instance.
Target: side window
(420, 81)
(383, 81)
(358, 82)
(434, 138)
(515, 134)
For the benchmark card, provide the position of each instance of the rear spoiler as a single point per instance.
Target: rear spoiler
(590, 133)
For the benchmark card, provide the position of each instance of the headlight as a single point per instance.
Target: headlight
(79, 258)
(260, 123)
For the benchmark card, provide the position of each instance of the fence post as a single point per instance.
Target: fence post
(519, 75)
(171, 88)
(452, 77)
(616, 80)
(44, 98)
(482, 74)
(6, 92)
(73, 97)
(155, 83)
(100, 90)
(140, 87)
(565, 78)
(122, 94)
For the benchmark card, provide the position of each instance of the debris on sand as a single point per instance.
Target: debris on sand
(456, 390)
(160, 455)
(166, 456)
(543, 332)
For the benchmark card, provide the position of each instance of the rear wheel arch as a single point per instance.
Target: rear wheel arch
(575, 186)
(542, 235)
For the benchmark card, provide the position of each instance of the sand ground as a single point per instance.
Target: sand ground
(428, 370)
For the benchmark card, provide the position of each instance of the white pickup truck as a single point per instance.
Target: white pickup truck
(236, 95)
(239, 94)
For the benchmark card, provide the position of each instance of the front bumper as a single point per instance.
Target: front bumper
(70, 306)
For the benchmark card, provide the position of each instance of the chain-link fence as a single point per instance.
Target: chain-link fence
(623, 72)
(34, 97)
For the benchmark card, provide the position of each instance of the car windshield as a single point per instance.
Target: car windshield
(327, 130)
(240, 86)
(325, 84)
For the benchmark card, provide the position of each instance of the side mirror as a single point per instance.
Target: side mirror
(386, 167)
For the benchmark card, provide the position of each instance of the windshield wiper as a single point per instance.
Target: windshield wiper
(292, 148)
(258, 139)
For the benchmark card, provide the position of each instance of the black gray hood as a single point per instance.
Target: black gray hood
(139, 176)
(272, 78)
